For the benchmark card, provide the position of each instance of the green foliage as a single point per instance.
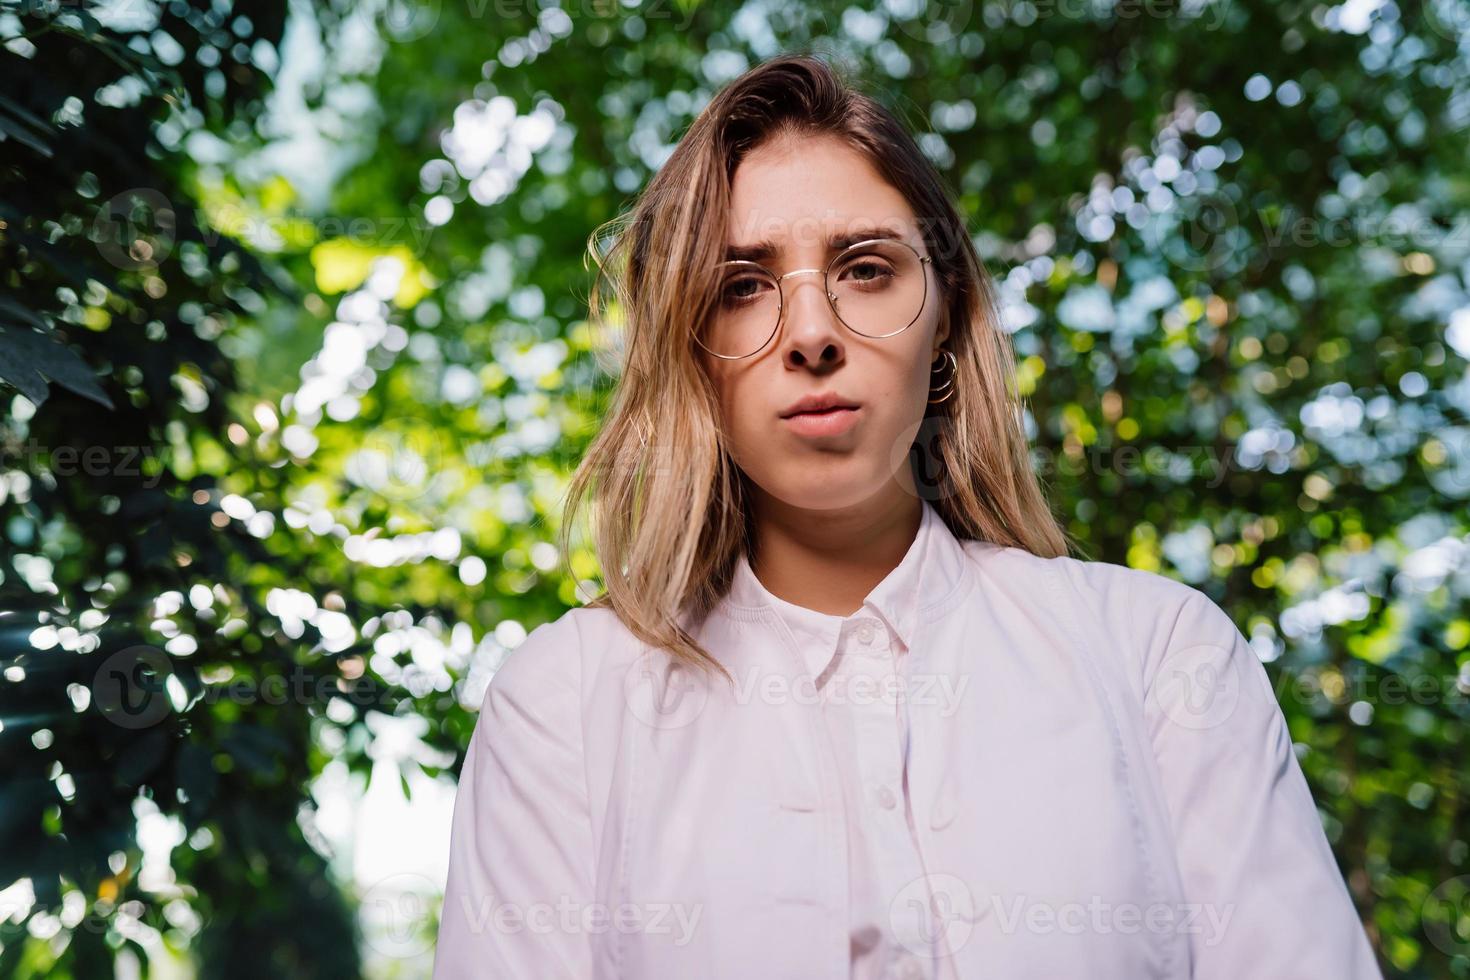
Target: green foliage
(1231, 246)
(102, 527)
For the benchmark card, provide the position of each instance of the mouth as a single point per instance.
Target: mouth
(823, 422)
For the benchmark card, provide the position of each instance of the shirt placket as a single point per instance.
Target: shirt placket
(871, 677)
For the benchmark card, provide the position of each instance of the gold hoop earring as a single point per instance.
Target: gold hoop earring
(945, 390)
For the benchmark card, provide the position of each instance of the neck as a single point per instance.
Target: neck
(829, 560)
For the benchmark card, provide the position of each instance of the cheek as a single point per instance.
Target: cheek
(909, 385)
(735, 397)
(718, 378)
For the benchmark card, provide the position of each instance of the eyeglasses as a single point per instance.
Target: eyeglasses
(876, 287)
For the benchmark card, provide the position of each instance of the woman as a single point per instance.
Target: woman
(848, 708)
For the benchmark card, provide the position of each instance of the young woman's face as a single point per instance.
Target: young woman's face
(797, 195)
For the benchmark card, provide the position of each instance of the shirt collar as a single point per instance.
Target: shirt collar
(925, 580)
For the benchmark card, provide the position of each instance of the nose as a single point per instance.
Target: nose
(811, 334)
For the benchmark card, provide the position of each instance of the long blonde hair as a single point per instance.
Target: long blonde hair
(671, 508)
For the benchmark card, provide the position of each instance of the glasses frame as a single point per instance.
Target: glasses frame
(924, 260)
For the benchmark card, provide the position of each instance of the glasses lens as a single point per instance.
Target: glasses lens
(746, 310)
(879, 287)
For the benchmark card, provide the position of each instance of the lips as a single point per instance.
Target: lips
(830, 422)
(819, 403)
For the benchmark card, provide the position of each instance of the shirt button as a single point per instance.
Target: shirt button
(866, 631)
(908, 969)
(886, 799)
(867, 938)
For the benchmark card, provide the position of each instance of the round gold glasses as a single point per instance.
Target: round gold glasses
(876, 287)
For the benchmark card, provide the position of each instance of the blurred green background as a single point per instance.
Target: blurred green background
(295, 368)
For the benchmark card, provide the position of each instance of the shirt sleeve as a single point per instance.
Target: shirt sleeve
(1251, 849)
(520, 850)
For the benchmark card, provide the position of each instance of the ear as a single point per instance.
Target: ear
(941, 333)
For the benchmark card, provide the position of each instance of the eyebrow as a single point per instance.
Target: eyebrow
(766, 249)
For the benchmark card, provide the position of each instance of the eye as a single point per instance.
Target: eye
(867, 270)
(743, 287)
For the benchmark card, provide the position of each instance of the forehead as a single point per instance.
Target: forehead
(798, 193)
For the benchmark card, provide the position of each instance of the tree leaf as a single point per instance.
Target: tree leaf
(28, 359)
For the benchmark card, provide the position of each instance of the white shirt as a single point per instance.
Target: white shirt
(856, 662)
(1099, 779)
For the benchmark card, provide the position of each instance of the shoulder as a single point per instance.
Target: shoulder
(535, 699)
(548, 660)
(556, 655)
(1139, 614)
(1096, 581)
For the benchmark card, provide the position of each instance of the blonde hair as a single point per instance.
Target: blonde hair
(671, 516)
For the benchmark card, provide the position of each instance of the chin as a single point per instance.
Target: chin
(823, 487)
